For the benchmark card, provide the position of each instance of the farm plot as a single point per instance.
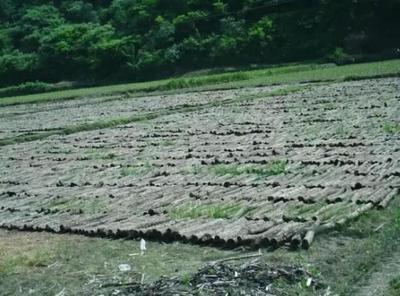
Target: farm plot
(259, 171)
(44, 117)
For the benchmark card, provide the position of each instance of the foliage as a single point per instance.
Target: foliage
(212, 211)
(214, 79)
(142, 39)
(16, 65)
(391, 127)
(338, 56)
(26, 88)
(394, 288)
(79, 11)
(273, 168)
(35, 259)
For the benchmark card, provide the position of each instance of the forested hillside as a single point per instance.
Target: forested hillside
(120, 40)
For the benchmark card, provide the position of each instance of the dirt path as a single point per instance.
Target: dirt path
(378, 281)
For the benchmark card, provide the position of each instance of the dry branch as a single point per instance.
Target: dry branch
(238, 257)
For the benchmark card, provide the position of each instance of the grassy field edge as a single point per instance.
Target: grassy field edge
(268, 76)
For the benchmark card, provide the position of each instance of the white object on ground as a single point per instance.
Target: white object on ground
(142, 246)
(124, 267)
(142, 279)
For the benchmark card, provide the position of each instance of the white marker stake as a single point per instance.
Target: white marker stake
(142, 246)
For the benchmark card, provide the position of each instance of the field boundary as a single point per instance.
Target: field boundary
(253, 78)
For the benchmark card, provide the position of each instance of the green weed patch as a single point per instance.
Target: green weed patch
(391, 128)
(271, 169)
(211, 211)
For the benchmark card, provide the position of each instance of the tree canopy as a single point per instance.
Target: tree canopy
(144, 39)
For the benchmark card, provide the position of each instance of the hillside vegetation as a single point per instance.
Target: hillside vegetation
(130, 40)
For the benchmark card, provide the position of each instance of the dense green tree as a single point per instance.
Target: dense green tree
(79, 11)
(35, 23)
(5, 40)
(140, 39)
(260, 39)
(16, 66)
(7, 10)
(133, 16)
(85, 48)
(162, 35)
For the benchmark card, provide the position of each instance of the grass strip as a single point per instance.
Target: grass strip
(264, 77)
(152, 86)
(210, 211)
(271, 169)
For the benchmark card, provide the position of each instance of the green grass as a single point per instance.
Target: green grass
(323, 74)
(394, 288)
(346, 257)
(273, 168)
(211, 211)
(79, 93)
(186, 278)
(397, 219)
(269, 76)
(35, 259)
(391, 128)
(47, 263)
(369, 248)
(259, 69)
(44, 264)
(34, 87)
(152, 86)
(201, 81)
(76, 205)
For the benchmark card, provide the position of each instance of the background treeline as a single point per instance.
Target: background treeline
(119, 40)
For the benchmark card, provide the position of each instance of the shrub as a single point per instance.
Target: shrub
(193, 82)
(340, 57)
(26, 88)
(29, 88)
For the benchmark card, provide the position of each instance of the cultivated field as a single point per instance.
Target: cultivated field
(273, 158)
(252, 166)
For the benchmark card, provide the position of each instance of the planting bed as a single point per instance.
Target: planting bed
(257, 171)
(43, 117)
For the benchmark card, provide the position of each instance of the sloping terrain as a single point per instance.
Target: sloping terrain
(253, 169)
